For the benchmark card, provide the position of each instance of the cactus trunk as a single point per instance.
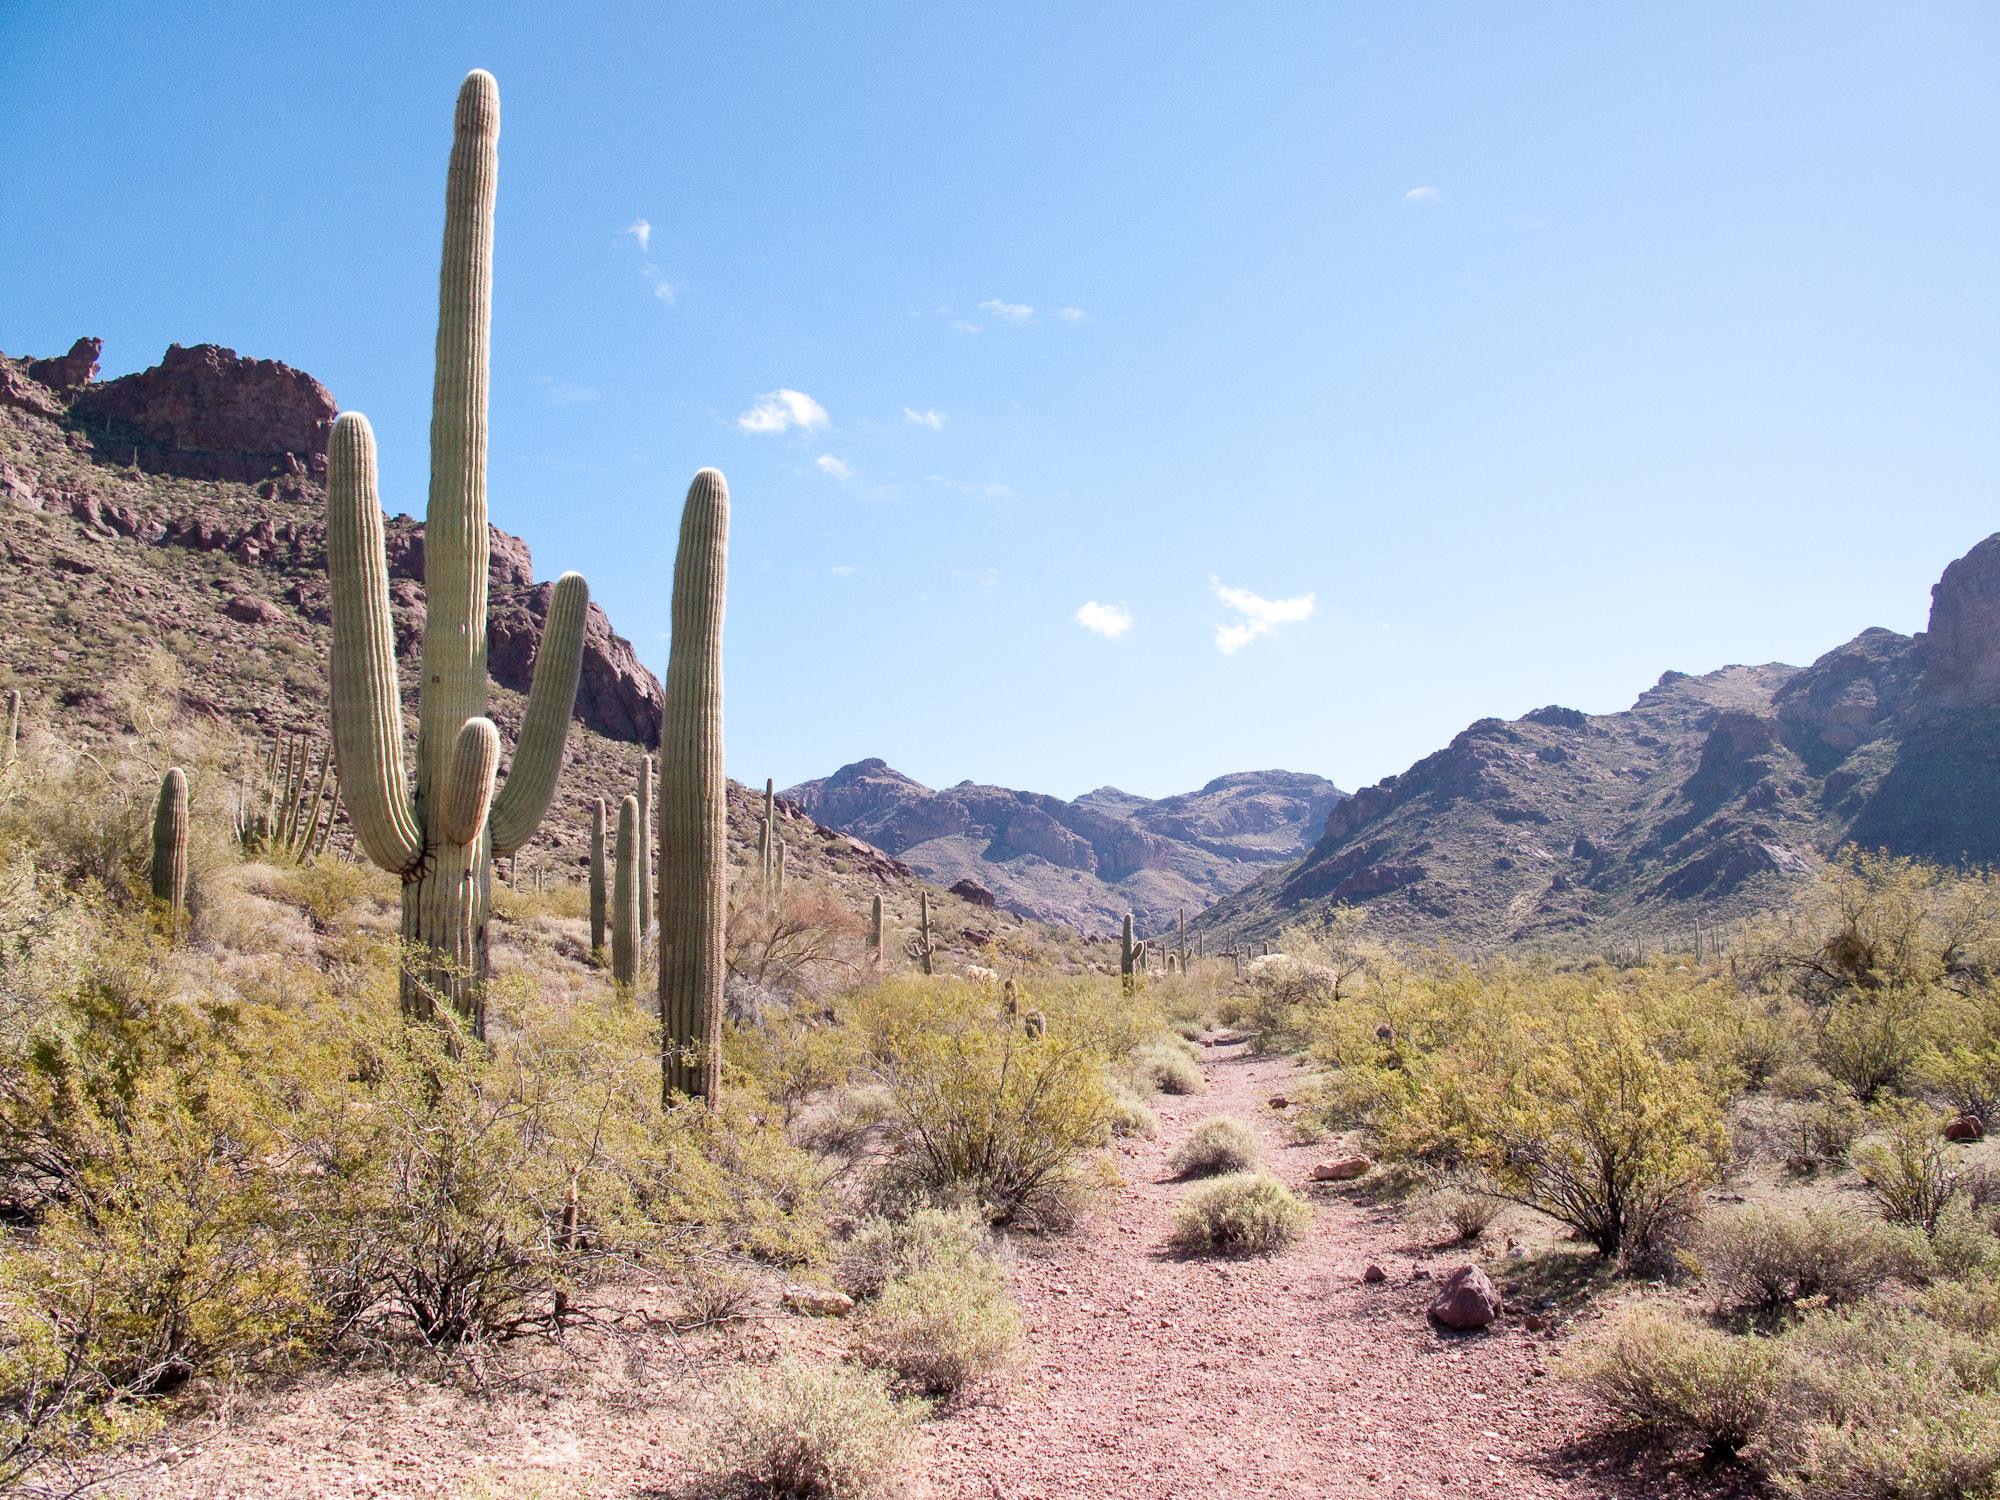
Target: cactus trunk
(645, 896)
(875, 931)
(597, 877)
(170, 843)
(694, 826)
(1126, 961)
(441, 834)
(625, 895)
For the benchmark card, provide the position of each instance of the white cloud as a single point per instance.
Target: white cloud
(838, 468)
(934, 420)
(842, 570)
(961, 326)
(988, 491)
(1107, 620)
(1012, 312)
(1424, 197)
(664, 289)
(1072, 314)
(1260, 616)
(563, 393)
(775, 411)
(641, 231)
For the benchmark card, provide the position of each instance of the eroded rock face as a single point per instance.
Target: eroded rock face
(71, 372)
(1962, 648)
(209, 413)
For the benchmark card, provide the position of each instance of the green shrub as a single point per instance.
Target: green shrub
(1466, 1209)
(799, 1432)
(1221, 1144)
(1682, 1384)
(883, 1249)
(1245, 1213)
(943, 1326)
(1910, 1170)
(1169, 1069)
(1762, 1260)
(1131, 1117)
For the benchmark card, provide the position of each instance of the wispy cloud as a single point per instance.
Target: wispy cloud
(1071, 314)
(1424, 197)
(664, 289)
(842, 570)
(564, 393)
(984, 491)
(1107, 620)
(642, 236)
(1009, 312)
(641, 231)
(1259, 616)
(961, 326)
(934, 420)
(838, 468)
(779, 410)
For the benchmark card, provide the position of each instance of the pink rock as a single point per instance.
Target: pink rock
(1374, 1275)
(1964, 1128)
(1467, 1300)
(1342, 1169)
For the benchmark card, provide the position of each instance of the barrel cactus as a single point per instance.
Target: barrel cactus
(694, 826)
(170, 842)
(442, 833)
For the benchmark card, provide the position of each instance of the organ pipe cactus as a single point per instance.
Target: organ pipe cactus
(1126, 959)
(694, 827)
(441, 833)
(170, 842)
(597, 876)
(625, 931)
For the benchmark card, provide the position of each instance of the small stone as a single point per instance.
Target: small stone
(1374, 1275)
(1342, 1169)
(1535, 1323)
(1466, 1301)
(1279, 1101)
(814, 1303)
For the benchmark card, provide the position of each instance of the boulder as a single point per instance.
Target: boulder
(974, 892)
(1467, 1300)
(253, 611)
(814, 1302)
(1964, 1128)
(1342, 1169)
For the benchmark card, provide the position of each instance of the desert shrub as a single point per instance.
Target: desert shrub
(1909, 1170)
(1168, 1069)
(1682, 1384)
(1131, 1116)
(1466, 1207)
(1222, 1144)
(795, 1431)
(1244, 1213)
(943, 1326)
(798, 946)
(1763, 1260)
(1960, 1060)
(1825, 1128)
(979, 1108)
(883, 1249)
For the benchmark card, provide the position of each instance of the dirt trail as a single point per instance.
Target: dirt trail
(1148, 1375)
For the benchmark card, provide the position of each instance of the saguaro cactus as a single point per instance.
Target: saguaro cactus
(920, 947)
(778, 881)
(597, 891)
(625, 894)
(645, 846)
(441, 836)
(694, 816)
(170, 842)
(875, 931)
(1126, 958)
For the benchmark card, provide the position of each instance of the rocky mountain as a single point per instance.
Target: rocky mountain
(162, 549)
(1709, 797)
(1087, 862)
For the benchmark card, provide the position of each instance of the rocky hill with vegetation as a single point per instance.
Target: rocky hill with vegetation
(1709, 799)
(1086, 862)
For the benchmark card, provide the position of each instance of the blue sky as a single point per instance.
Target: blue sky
(1437, 361)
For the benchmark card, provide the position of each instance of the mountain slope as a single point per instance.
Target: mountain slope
(1083, 863)
(1708, 798)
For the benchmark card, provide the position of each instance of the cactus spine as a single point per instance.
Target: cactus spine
(597, 878)
(1126, 959)
(170, 843)
(645, 846)
(875, 931)
(625, 928)
(694, 814)
(441, 835)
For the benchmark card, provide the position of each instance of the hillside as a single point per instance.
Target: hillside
(1709, 797)
(1087, 862)
(162, 549)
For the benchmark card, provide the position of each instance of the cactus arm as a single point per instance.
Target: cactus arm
(538, 757)
(456, 543)
(367, 706)
(468, 786)
(693, 812)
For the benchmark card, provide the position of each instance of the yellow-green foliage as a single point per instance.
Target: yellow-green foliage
(882, 1249)
(1167, 1067)
(979, 1109)
(1244, 1213)
(1909, 1169)
(1681, 1383)
(1764, 1260)
(943, 1326)
(1221, 1144)
(797, 1431)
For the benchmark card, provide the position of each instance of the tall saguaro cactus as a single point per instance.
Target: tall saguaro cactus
(170, 842)
(694, 826)
(441, 834)
(920, 947)
(645, 896)
(597, 876)
(625, 928)
(875, 931)
(1126, 964)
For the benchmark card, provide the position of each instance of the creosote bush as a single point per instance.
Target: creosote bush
(1681, 1383)
(1169, 1069)
(1244, 1213)
(943, 1326)
(1767, 1260)
(1222, 1144)
(798, 1431)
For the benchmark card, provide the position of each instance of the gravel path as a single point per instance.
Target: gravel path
(1149, 1375)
